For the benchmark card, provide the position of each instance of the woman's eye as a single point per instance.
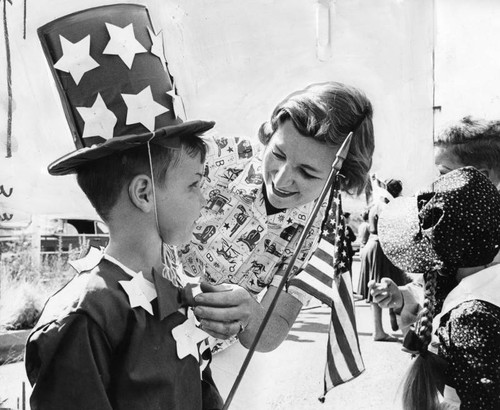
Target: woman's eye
(278, 155)
(307, 175)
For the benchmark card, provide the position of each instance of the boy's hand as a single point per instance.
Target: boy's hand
(386, 293)
(224, 310)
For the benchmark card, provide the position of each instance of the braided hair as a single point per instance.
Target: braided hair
(421, 381)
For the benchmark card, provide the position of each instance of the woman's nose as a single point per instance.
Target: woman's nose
(283, 177)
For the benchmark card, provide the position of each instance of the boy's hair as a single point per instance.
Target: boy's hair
(364, 215)
(474, 141)
(394, 187)
(328, 112)
(102, 180)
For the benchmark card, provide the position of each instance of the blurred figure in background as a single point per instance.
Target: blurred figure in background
(375, 265)
(350, 238)
(363, 230)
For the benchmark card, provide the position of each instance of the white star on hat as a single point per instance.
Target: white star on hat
(99, 120)
(157, 47)
(141, 108)
(76, 58)
(178, 104)
(123, 43)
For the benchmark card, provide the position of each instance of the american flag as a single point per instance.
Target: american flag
(326, 277)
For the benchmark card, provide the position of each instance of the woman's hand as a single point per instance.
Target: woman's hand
(225, 310)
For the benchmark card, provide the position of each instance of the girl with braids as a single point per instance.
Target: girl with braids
(452, 230)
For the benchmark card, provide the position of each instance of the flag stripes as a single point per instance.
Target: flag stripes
(345, 362)
(326, 276)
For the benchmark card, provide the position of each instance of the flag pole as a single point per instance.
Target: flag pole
(336, 166)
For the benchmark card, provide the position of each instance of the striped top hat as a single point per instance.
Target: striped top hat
(109, 67)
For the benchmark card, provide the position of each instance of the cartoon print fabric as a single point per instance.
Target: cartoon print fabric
(235, 241)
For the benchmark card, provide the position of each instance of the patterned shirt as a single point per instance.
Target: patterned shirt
(470, 342)
(469, 339)
(235, 241)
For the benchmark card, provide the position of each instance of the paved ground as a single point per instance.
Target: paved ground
(291, 377)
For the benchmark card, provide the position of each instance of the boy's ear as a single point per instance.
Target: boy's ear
(485, 172)
(140, 192)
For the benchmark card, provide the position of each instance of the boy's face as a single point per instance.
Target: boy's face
(179, 200)
(295, 167)
(446, 161)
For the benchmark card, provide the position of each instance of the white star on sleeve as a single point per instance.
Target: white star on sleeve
(123, 43)
(157, 47)
(141, 108)
(76, 58)
(99, 120)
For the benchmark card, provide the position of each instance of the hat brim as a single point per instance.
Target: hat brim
(167, 137)
(403, 241)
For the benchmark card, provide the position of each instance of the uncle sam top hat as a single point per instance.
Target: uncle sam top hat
(109, 67)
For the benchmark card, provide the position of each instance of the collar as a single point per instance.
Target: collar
(169, 297)
(482, 285)
(142, 292)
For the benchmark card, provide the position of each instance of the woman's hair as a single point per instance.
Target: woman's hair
(102, 180)
(328, 112)
(474, 142)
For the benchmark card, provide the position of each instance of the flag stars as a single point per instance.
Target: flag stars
(98, 119)
(76, 58)
(141, 108)
(123, 43)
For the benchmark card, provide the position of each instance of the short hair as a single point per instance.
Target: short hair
(102, 180)
(328, 112)
(394, 187)
(473, 141)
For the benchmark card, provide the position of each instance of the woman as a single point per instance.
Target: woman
(259, 197)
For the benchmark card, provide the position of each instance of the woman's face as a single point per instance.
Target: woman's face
(295, 167)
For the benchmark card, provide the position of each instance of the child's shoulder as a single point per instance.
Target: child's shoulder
(95, 293)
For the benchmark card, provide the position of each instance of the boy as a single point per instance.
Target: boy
(117, 335)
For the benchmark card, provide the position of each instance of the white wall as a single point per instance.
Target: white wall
(233, 61)
(467, 59)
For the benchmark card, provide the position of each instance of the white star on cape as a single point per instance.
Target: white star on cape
(123, 43)
(76, 58)
(140, 292)
(187, 336)
(99, 120)
(141, 108)
(157, 47)
(178, 105)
